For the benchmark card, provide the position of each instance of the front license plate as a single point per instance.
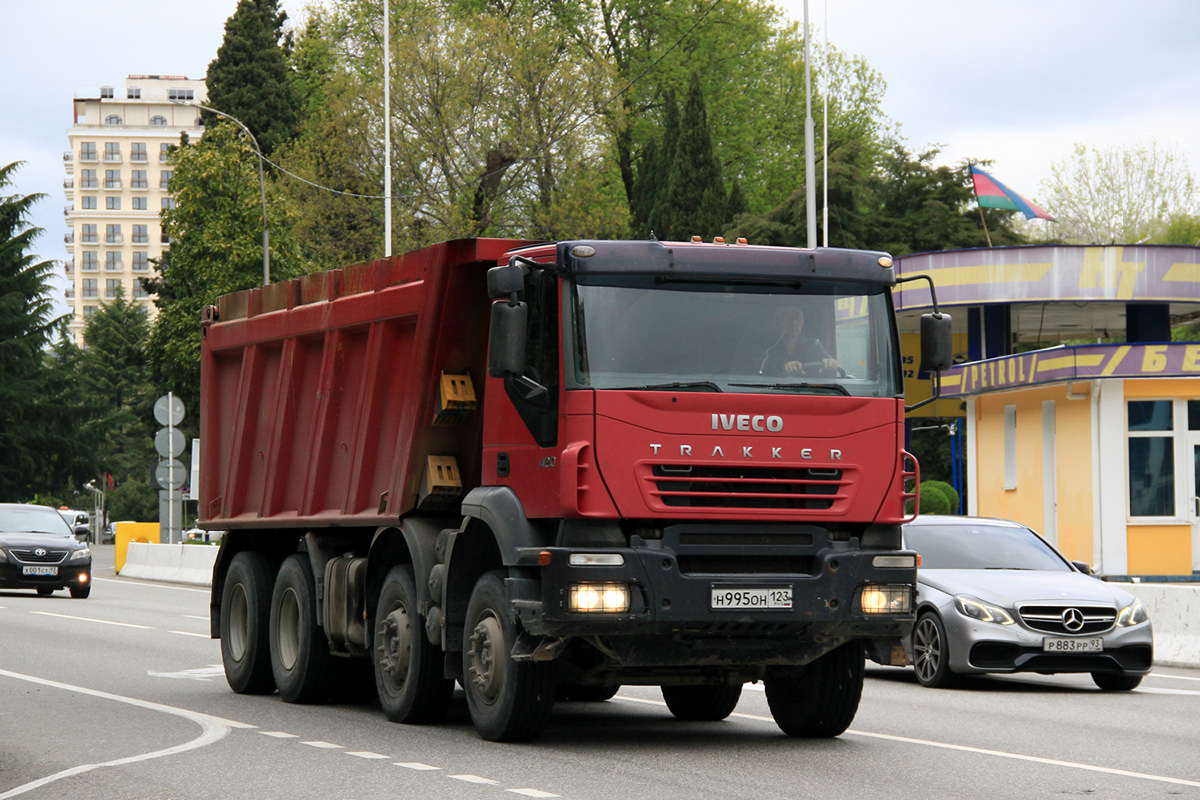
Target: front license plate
(39, 570)
(769, 598)
(1072, 645)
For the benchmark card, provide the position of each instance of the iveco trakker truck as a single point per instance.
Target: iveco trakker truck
(546, 470)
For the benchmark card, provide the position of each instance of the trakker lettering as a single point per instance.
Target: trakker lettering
(746, 422)
(806, 453)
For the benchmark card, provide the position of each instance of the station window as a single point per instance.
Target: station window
(1161, 437)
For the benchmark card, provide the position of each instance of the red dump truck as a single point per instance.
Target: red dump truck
(546, 470)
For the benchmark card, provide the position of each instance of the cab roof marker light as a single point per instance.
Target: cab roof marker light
(719, 240)
(742, 240)
(697, 239)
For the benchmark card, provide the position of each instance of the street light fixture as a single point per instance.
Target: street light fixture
(266, 234)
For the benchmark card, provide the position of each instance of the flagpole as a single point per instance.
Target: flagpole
(983, 221)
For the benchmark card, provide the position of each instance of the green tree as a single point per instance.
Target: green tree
(697, 196)
(1119, 194)
(26, 329)
(215, 230)
(115, 379)
(250, 79)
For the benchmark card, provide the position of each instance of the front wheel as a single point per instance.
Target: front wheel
(1116, 681)
(81, 592)
(509, 701)
(45, 591)
(300, 657)
(408, 669)
(707, 703)
(244, 624)
(820, 699)
(931, 653)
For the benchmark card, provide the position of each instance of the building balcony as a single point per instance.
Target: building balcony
(140, 241)
(139, 158)
(89, 157)
(68, 183)
(68, 157)
(68, 209)
(165, 185)
(112, 183)
(69, 293)
(88, 183)
(112, 158)
(114, 266)
(90, 266)
(114, 238)
(69, 238)
(89, 238)
(139, 186)
(69, 267)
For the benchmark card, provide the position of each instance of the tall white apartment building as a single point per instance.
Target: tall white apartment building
(117, 182)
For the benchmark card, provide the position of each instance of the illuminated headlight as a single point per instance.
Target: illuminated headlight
(1132, 614)
(887, 598)
(80, 555)
(599, 598)
(596, 560)
(903, 562)
(975, 608)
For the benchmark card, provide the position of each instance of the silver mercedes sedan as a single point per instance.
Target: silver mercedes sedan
(993, 596)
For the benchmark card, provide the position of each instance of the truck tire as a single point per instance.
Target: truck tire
(708, 703)
(509, 701)
(300, 657)
(408, 668)
(820, 699)
(244, 623)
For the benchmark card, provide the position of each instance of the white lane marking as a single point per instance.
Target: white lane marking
(213, 729)
(1174, 677)
(279, 735)
(532, 793)
(967, 749)
(414, 765)
(151, 585)
(474, 779)
(91, 619)
(206, 617)
(200, 674)
(189, 633)
(365, 754)
(323, 745)
(1156, 690)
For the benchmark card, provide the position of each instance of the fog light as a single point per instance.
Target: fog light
(888, 598)
(84, 577)
(596, 560)
(599, 598)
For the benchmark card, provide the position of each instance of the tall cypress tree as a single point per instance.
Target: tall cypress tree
(249, 78)
(659, 217)
(698, 202)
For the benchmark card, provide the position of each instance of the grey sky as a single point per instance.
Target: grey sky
(1013, 81)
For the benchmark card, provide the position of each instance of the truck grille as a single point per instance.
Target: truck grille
(725, 564)
(747, 487)
(47, 556)
(1054, 619)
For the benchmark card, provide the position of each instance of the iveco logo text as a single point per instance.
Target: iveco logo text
(746, 422)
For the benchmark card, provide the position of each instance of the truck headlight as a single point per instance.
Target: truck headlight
(975, 608)
(599, 598)
(887, 598)
(1132, 614)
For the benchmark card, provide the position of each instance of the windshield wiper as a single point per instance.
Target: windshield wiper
(836, 388)
(707, 386)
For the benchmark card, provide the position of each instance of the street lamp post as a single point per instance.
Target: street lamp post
(262, 185)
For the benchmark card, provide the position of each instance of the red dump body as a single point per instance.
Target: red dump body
(352, 350)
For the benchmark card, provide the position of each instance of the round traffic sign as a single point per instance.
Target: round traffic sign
(168, 410)
(170, 474)
(169, 442)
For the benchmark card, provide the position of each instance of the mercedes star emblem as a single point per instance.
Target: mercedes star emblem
(1072, 619)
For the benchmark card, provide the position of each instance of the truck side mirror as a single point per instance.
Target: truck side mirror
(506, 351)
(502, 282)
(937, 343)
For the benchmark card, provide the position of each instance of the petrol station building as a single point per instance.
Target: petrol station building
(1094, 443)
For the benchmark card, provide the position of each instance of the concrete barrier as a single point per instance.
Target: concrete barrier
(1174, 611)
(174, 563)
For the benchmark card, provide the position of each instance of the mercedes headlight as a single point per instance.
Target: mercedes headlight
(975, 608)
(1132, 614)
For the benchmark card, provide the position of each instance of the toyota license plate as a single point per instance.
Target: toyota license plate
(772, 598)
(39, 570)
(1072, 645)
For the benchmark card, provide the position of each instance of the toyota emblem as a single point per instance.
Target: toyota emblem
(1072, 619)
(41, 551)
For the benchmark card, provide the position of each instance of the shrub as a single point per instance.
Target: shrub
(946, 489)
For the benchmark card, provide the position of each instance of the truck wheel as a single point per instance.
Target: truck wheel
(408, 669)
(509, 701)
(702, 703)
(245, 605)
(300, 658)
(818, 700)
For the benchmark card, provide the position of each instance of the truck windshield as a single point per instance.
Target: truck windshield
(659, 332)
